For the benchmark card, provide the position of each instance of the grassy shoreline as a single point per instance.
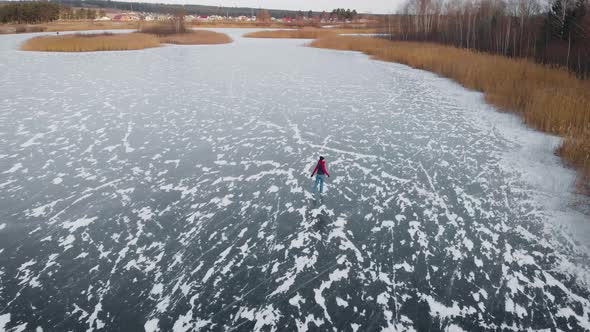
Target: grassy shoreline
(548, 99)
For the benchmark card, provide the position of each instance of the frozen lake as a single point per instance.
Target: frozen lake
(169, 189)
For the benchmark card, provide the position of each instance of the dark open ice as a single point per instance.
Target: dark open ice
(169, 189)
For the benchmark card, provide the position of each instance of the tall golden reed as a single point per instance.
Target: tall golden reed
(549, 99)
(89, 25)
(91, 42)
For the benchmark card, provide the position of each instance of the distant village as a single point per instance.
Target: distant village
(21, 13)
(113, 15)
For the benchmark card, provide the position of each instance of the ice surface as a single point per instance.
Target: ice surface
(168, 189)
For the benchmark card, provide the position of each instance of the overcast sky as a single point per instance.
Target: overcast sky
(363, 6)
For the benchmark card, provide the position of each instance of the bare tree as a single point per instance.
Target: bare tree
(263, 16)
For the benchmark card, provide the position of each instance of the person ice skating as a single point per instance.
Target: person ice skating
(321, 170)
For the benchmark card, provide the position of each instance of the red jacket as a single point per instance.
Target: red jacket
(322, 164)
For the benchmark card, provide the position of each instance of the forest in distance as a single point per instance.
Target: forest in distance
(554, 34)
(29, 12)
(170, 8)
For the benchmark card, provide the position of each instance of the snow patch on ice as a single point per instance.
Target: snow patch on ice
(151, 325)
(14, 168)
(74, 225)
(4, 320)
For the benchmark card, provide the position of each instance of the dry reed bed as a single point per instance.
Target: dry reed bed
(88, 25)
(91, 42)
(351, 30)
(164, 28)
(120, 42)
(294, 33)
(549, 99)
(197, 37)
(241, 25)
(306, 33)
(176, 32)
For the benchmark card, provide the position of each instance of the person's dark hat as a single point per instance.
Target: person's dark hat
(321, 158)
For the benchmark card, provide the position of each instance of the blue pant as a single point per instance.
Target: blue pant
(319, 179)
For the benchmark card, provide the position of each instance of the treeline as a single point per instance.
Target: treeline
(172, 8)
(29, 12)
(80, 14)
(558, 34)
(344, 14)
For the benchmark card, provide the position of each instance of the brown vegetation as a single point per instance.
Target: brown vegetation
(164, 28)
(89, 25)
(175, 32)
(306, 33)
(263, 16)
(549, 99)
(196, 37)
(239, 25)
(91, 42)
(294, 33)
